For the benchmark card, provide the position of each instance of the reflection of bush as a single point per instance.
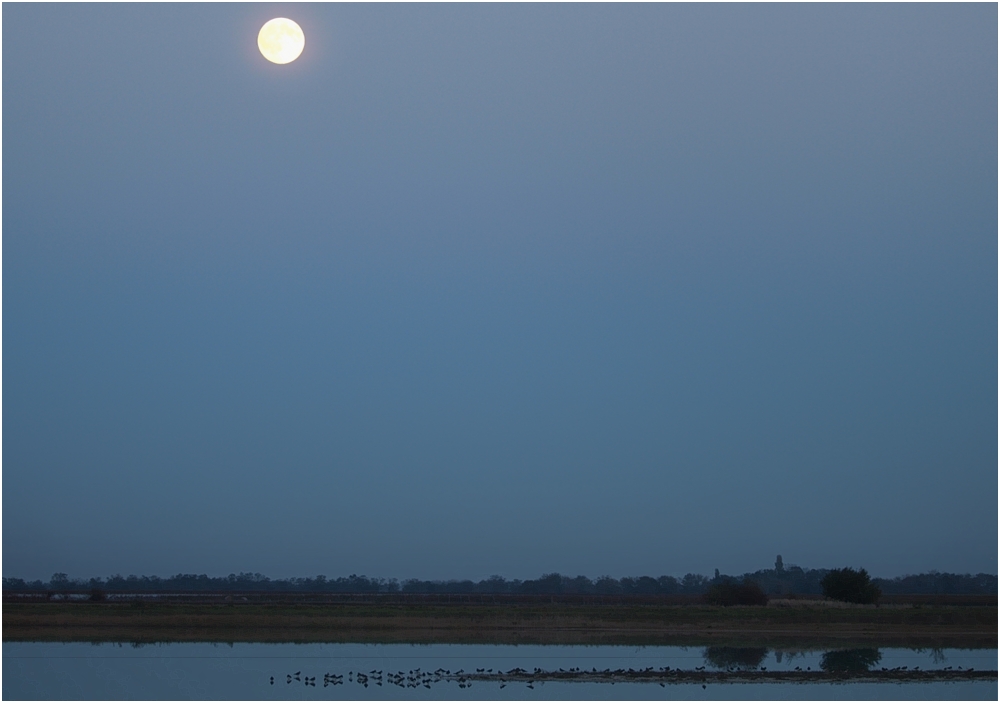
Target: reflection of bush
(850, 659)
(735, 657)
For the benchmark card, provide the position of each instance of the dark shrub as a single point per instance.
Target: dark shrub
(850, 660)
(729, 593)
(850, 586)
(97, 595)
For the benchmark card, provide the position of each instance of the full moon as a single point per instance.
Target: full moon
(281, 40)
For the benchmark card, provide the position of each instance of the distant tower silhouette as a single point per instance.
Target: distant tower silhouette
(716, 573)
(778, 565)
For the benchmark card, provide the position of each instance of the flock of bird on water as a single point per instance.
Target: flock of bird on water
(415, 678)
(410, 679)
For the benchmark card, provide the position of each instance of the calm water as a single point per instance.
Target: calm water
(178, 671)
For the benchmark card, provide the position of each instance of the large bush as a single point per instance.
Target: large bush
(731, 593)
(851, 586)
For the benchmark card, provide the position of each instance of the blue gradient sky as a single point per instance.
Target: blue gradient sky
(499, 289)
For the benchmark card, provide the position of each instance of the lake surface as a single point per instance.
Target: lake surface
(243, 671)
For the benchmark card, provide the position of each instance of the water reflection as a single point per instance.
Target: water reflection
(858, 660)
(728, 665)
(735, 657)
(247, 671)
(937, 655)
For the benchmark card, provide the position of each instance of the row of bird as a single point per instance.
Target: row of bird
(409, 679)
(418, 677)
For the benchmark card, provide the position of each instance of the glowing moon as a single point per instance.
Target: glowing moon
(281, 40)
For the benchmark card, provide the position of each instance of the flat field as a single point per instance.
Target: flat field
(777, 624)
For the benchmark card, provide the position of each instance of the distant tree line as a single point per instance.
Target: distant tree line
(547, 584)
(778, 581)
(783, 580)
(935, 582)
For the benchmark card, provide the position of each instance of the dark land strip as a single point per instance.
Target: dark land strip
(456, 599)
(803, 626)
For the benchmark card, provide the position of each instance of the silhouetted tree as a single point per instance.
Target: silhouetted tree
(607, 586)
(668, 584)
(694, 583)
(580, 585)
(548, 583)
(851, 586)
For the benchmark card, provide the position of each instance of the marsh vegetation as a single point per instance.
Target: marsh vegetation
(550, 623)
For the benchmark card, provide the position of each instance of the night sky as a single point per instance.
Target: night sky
(477, 289)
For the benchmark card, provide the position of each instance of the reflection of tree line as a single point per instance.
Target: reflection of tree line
(750, 658)
(741, 664)
(773, 582)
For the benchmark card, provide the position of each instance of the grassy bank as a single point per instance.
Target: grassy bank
(936, 626)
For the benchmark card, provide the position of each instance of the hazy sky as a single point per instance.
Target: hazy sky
(478, 289)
